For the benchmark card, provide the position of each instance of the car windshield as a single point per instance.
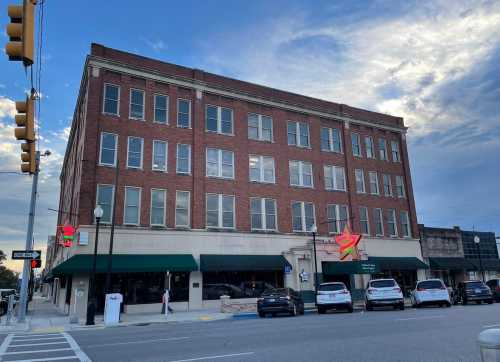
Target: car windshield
(473, 285)
(382, 283)
(281, 291)
(331, 287)
(430, 284)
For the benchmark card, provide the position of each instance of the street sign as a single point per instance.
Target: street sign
(26, 254)
(288, 269)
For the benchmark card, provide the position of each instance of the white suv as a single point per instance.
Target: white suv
(431, 291)
(333, 296)
(383, 292)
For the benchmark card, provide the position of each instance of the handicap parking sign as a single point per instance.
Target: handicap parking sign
(288, 269)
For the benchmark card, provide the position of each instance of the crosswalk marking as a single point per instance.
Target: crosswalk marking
(18, 346)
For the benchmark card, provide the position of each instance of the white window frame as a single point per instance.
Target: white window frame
(164, 223)
(391, 213)
(297, 134)
(142, 118)
(356, 171)
(388, 177)
(260, 128)
(407, 217)
(177, 159)
(219, 120)
(331, 171)
(189, 115)
(153, 157)
(301, 174)
(381, 217)
(104, 100)
(220, 212)
(261, 169)
(330, 140)
(358, 137)
(263, 214)
(188, 209)
(367, 220)
(111, 202)
(142, 152)
(382, 152)
(138, 206)
(338, 221)
(167, 110)
(303, 215)
(369, 147)
(219, 163)
(115, 150)
(402, 186)
(374, 183)
(395, 150)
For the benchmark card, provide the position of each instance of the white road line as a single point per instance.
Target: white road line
(418, 318)
(214, 357)
(35, 339)
(36, 344)
(37, 335)
(135, 342)
(46, 359)
(491, 325)
(76, 348)
(37, 351)
(5, 344)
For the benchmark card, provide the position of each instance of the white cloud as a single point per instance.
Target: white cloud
(157, 45)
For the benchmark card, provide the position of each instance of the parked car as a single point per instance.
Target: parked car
(431, 291)
(4, 299)
(214, 291)
(473, 291)
(333, 296)
(383, 292)
(282, 300)
(494, 285)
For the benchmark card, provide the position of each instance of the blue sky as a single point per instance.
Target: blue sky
(435, 63)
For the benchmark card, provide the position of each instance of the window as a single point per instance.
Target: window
(261, 168)
(405, 224)
(387, 185)
(379, 225)
(260, 127)
(303, 217)
(134, 154)
(108, 149)
(158, 201)
(382, 149)
(219, 119)
(132, 205)
(334, 178)
(360, 181)
(105, 195)
(262, 213)
(220, 163)
(183, 113)
(363, 220)
(330, 140)
(391, 222)
(220, 211)
(395, 151)
(182, 201)
(337, 217)
(356, 146)
(370, 152)
(373, 176)
(300, 173)
(161, 108)
(136, 104)
(111, 99)
(160, 155)
(298, 134)
(183, 158)
(400, 187)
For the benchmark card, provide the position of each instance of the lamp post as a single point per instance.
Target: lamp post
(91, 306)
(477, 241)
(314, 230)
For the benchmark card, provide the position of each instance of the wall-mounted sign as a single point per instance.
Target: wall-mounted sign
(83, 238)
(348, 244)
(288, 269)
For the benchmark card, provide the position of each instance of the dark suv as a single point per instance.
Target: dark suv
(494, 285)
(282, 300)
(473, 291)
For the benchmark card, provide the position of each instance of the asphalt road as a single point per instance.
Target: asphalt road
(428, 334)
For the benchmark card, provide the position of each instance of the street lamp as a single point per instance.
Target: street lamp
(477, 240)
(314, 230)
(91, 307)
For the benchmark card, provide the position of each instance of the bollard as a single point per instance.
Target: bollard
(489, 345)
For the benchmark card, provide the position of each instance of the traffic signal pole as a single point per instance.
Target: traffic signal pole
(23, 298)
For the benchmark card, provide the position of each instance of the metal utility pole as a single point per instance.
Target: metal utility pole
(23, 299)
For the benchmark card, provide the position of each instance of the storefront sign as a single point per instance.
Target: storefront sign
(348, 244)
(367, 268)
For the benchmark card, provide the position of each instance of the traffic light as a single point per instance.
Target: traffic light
(28, 157)
(21, 32)
(25, 119)
(36, 263)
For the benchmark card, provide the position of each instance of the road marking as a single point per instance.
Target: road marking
(134, 342)
(76, 348)
(5, 344)
(28, 335)
(214, 357)
(491, 325)
(36, 344)
(46, 359)
(35, 339)
(38, 351)
(418, 318)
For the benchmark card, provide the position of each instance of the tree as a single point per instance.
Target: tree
(8, 278)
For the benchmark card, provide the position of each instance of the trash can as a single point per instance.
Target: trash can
(112, 308)
(489, 345)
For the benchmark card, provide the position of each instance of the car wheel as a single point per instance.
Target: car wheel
(448, 304)
(478, 302)
(369, 307)
(490, 301)
(465, 301)
(418, 305)
(402, 306)
(320, 310)
(350, 309)
(302, 310)
(273, 315)
(262, 315)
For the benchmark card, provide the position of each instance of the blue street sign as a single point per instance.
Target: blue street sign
(288, 269)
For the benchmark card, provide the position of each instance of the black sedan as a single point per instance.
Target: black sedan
(283, 300)
(473, 291)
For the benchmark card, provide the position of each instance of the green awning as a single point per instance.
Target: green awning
(350, 267)
(450, 264)
(127, 263)
(398, 263)
(486, 264)
(242, 263)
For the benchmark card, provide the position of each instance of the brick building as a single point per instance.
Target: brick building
(220, 182)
